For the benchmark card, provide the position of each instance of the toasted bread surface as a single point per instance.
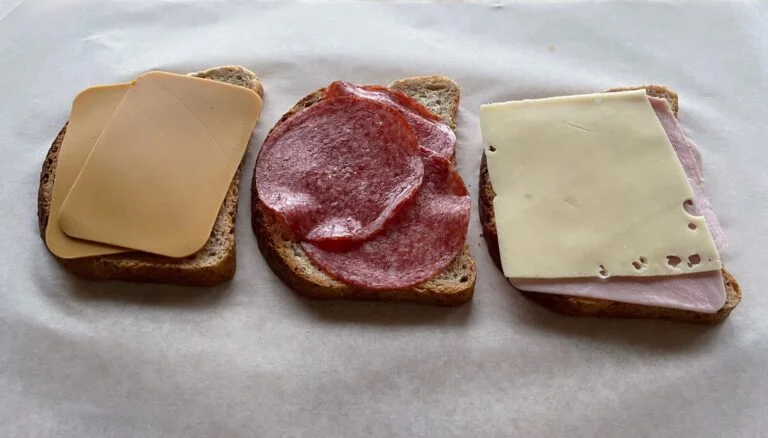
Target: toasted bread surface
(580, 306)
(284, 254)
(213, 264)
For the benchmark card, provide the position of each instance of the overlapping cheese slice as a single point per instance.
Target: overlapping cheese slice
(146, 166)
(589, 186)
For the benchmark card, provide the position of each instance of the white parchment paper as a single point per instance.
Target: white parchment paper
(252, 359)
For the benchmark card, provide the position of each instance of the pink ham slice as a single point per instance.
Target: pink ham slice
(432, 132)
(338, 170)
(419, 242)
(704, 292)
(690, 158)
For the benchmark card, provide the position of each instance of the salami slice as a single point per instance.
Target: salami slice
(424, 237)
(432, 132)
(339, 169)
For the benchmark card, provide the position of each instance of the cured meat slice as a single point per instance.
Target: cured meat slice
(689, 157)
(424, 237)
(339, 169)
(432, 132)
(383, 94)
(703, 292)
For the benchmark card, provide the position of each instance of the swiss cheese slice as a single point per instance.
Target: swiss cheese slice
(160, 170)
(589, 186)
(91, 111)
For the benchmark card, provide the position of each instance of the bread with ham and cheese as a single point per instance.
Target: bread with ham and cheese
(688, 283)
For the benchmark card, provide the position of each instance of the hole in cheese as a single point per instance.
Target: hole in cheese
(673, 261)
(693, 260)
(688, 207)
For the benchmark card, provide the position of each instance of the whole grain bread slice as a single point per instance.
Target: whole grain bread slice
(580, 306)
(283, 253)
(213, 264)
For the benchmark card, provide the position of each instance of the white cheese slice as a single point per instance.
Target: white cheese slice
(589, 186)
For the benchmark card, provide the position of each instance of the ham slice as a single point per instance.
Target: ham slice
(704, 292)
(690, 158)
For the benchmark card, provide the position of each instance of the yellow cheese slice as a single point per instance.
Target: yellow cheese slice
(160, 170)
(91, 111)
(589, 186)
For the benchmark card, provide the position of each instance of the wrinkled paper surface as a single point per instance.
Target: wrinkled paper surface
(252, 359)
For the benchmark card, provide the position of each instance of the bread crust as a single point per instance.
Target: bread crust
(451, 287)
(580, 306)
(213, 264)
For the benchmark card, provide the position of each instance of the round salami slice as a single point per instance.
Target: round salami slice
(433, 133)
(420, 241)
(339, 169)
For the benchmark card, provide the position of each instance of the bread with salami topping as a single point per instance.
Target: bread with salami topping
(284, 254)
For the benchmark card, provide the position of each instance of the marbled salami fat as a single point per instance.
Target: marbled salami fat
(420, 241)
(339, 169)
(432, 132)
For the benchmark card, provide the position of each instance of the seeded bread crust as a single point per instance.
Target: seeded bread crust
(580, 306)
(283, 253)
(213, 264)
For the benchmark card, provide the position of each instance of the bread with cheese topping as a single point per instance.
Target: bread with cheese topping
(214, 263)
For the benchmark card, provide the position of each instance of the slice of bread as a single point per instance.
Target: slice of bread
(213, 264)
(579, 306)
(284, 254)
